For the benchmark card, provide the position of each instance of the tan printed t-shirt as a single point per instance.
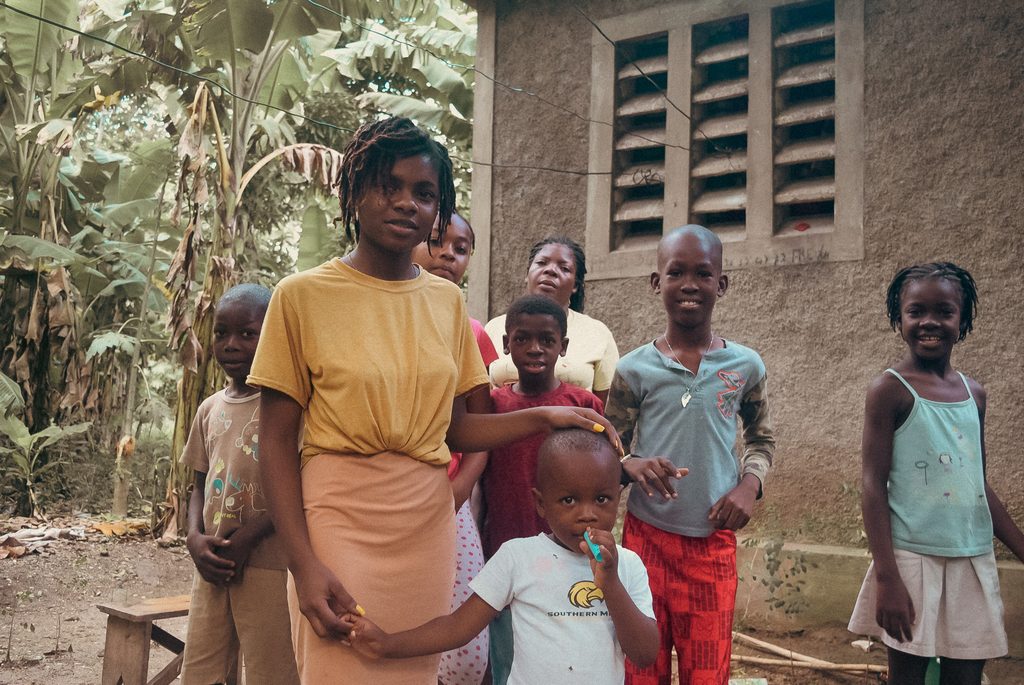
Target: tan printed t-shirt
(375, 364)
(223, 445)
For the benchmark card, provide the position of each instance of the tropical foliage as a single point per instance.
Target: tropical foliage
(138, 182)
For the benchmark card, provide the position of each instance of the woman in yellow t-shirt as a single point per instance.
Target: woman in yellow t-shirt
(557, 270)
(373, 358)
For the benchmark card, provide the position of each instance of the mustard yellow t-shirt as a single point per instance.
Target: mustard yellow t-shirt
(375, 364)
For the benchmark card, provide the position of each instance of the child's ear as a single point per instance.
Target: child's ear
(504, 343)
(538, 502)
(723, 284)
(565, 346)
(656, 282)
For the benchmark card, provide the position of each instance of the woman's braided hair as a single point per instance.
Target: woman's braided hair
(947, 270)
(373, 151)
(576, 300)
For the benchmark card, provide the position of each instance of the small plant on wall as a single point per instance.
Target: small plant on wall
(780, 576)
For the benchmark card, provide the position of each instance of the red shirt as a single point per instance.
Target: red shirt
(511, 472)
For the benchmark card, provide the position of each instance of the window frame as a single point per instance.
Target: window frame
(760, 245)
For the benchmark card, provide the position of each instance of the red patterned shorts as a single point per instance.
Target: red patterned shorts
(693, 581)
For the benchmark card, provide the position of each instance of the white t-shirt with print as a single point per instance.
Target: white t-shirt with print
(561, 627)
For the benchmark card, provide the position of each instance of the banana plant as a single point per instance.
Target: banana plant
(24, 464)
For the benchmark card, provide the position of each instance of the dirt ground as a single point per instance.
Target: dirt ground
(51, 632)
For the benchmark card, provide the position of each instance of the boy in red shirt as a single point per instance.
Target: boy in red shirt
(535, 337)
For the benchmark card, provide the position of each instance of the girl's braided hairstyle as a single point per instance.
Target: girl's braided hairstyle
(371, 154)
(947, 270)
(577, 298)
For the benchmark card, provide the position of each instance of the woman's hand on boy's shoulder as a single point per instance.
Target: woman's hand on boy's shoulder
(581, 417)
(654, 475)
(212, 567)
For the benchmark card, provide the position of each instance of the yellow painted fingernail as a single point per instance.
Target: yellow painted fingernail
(361, 610)
(598, 428)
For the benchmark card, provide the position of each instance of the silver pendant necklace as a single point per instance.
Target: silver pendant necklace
(687, 396)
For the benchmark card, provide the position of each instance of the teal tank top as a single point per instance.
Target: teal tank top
(937, 479)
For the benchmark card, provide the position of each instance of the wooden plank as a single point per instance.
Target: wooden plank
(149, 609)
(723, 52)
(721, 201)
(803, 36)
(169, 642)
(805, 74)
(125, 652)
(802, 192)
(720, 165)
(722, 90)
(805, 112)
(169, 673)
(649, 103)
(649, 65)
(807, 151)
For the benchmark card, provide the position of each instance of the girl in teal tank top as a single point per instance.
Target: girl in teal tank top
(932, 588)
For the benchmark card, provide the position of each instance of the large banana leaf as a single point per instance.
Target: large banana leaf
(225, 28)
(32, 45)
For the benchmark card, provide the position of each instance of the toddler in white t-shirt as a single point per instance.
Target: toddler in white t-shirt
(574, 618)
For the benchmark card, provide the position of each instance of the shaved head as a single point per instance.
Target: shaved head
(693, 234)
(560, 453)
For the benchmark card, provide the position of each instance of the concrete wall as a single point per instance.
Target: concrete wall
(944, 154)
(830, 580)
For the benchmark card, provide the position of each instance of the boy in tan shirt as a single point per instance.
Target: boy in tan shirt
(239, 596)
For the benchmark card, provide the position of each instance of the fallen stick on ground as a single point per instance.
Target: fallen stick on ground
(822, 666)
(781, 651)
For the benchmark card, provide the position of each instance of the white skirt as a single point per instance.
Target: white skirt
(957, 607)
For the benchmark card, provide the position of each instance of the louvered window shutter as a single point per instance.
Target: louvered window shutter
(639, 164)
(719, 105)
(803, 52)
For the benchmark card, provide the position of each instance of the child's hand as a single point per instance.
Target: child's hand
(732, 511)
(606, 571)
(654, 474)
(238, 551)
(323, 599)
(365, 637)
(581, 417)
(894, 610)
(212, 566)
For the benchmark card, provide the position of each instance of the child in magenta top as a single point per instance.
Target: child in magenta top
(932, 588)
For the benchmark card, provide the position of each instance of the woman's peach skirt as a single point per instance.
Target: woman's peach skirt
(386, 526)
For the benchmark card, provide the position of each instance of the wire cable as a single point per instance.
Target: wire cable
(223, 88)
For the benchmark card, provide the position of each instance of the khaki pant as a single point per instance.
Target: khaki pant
(253, 614)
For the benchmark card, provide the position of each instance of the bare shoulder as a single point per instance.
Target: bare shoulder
(978, 390)
(886, 388)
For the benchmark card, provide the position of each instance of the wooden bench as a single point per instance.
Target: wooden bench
(129, 632)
